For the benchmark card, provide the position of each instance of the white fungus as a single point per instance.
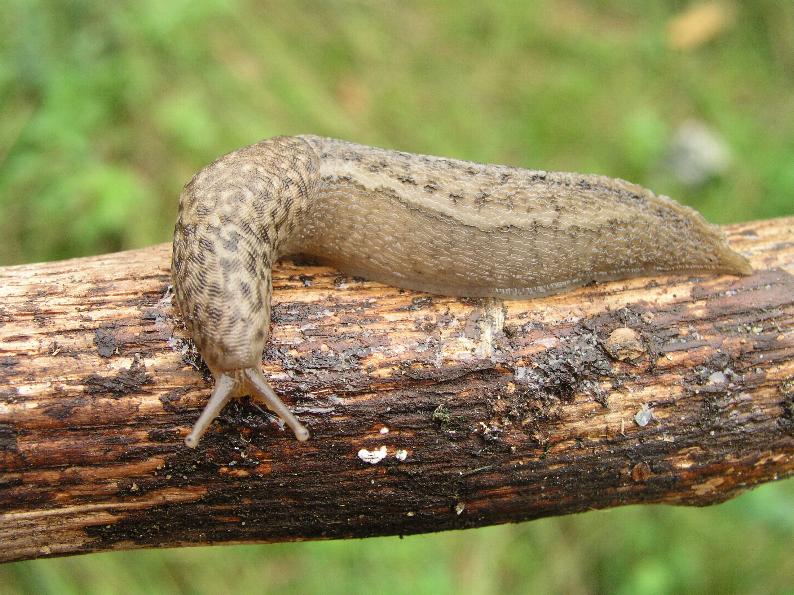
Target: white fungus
(372, 456)
(644, 416)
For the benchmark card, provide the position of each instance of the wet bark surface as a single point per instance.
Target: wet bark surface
(427, 412)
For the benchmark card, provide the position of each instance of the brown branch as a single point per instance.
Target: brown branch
(426, 412)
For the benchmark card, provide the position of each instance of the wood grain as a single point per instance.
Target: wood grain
(666, 389)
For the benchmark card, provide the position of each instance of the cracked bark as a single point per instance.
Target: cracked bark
(427, 412)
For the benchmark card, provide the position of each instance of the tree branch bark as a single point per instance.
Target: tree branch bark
(426, 412)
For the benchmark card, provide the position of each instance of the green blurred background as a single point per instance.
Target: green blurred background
(108, 108)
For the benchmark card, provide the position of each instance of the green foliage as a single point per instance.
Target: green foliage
(108, 108)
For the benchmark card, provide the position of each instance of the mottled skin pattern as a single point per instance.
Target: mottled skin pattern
(419, 222)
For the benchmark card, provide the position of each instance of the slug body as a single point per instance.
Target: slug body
(414, 221)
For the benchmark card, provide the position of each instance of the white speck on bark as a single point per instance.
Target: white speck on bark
(644, 416)
(372, 456)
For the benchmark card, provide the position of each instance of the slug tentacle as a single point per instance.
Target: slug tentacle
(415, 221)
(261, 391)
(248, 381)
(221, 394)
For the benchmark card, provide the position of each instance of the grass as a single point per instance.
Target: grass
(108, 108)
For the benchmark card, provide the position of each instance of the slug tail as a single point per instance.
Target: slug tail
(221, 394)
(734, 263)
(727, 260)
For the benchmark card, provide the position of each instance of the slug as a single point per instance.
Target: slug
(418, 222)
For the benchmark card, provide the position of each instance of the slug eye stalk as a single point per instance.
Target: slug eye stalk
(234, 383)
